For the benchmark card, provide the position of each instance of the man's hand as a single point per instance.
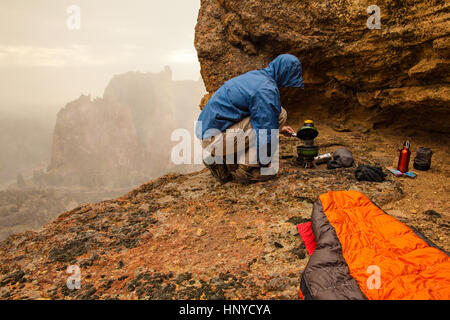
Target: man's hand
(287, 131)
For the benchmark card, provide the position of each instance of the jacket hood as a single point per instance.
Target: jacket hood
(286, 70)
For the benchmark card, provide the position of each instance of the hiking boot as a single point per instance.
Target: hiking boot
(248, 174)
(220, 172)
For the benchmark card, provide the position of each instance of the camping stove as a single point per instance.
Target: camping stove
(308, 151)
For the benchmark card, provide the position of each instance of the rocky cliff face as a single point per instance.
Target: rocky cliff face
(122, 139)
(355, 76)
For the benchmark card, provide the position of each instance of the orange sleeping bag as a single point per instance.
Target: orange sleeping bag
(363, 253)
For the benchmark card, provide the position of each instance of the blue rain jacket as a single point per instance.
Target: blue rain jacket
(253, 94)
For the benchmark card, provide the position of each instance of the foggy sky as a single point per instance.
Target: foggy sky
(44, 65)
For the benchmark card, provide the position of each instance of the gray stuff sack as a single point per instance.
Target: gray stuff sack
(341, 158)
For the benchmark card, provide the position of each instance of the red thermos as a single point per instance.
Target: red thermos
(403, 160)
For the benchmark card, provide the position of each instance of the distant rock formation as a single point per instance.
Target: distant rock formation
(122, 139)
(396, 75)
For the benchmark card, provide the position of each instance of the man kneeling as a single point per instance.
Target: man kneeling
(237, 123)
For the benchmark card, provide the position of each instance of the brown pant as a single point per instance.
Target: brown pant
(245, 167)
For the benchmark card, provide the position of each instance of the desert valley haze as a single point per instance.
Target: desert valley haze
(86, 114)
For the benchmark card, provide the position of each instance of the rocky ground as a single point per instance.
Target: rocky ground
(190, 237)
